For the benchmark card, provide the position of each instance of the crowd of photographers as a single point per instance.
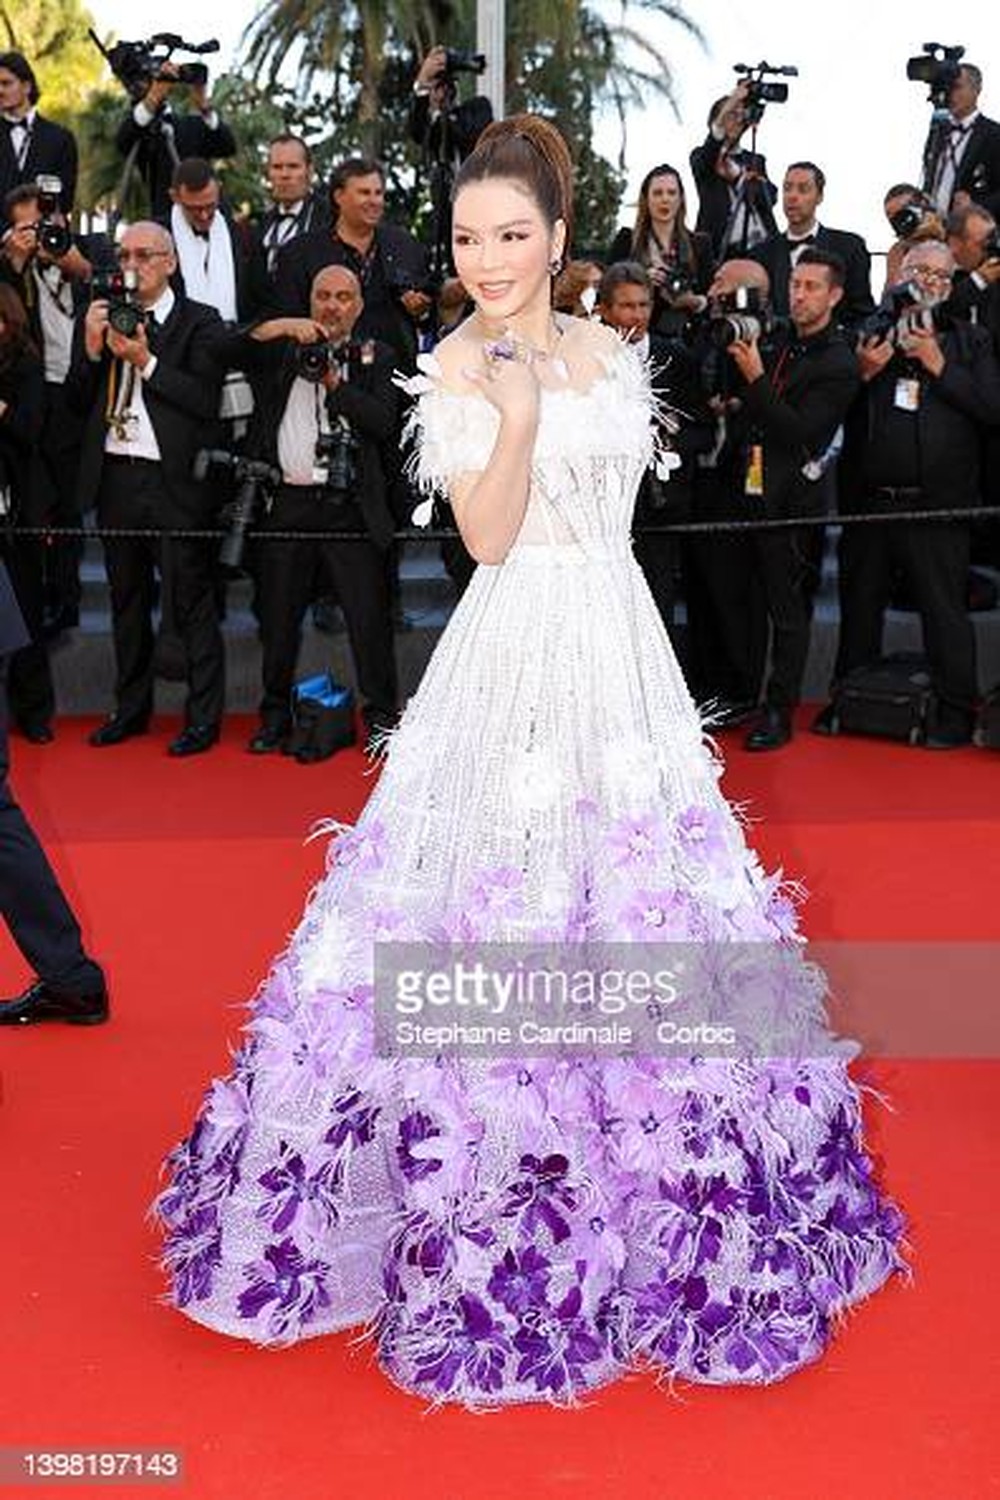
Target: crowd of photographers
(198, 355)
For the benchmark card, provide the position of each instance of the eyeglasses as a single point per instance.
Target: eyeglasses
(141, 257)
(931, 273)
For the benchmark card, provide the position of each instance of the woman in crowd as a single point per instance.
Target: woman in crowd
(678, 259)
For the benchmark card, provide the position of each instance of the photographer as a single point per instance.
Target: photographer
(799, 385)
(30, 145)
(931, 384)
(326, 416)
(679, 263)
(50, 270)
(962, 153)
(912, 217)
(145, 377)
(975, 244)
(390, 265)
(446, 129)
(160, 137)
(735, 198)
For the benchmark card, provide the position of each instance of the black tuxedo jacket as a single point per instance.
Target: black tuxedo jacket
(21, 386)
(192, 137)
(314, 215)
(241, 264)
(51, 151)
(979, 170)
(181, 396)
(713, 192)
(466, 123)
(793, 410)
(368, 399)
(774, 255)
(13, 633)
(675, 379)
(954, 412)
(401, 264)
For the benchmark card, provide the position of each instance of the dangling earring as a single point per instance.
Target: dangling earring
(555, 265)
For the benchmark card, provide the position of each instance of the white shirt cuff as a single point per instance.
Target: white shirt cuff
(149, 368)
(142, 115)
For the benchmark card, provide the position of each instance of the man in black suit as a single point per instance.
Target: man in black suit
(296, 209)
(930, 391)
(735, 198)
(212, 256)
(330, 432)
(149, 398)
(388, 262)
(801, 194)
(796, 396)
(53, 289)
(446, 129)
(70, 985)
(157, 138)
(30, 145)
(962, 152)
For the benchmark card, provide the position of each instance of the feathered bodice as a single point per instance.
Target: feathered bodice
(593, 444)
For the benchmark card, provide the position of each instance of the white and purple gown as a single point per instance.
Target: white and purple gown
(528, 1229)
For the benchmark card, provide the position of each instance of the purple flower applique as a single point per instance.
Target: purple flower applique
(556, 1348)
(277, 996)
(769, 1336)
(701, 832)
(286, 1286)
(304, 1052)
(514, 1089)
(363, 848)
(227, 1108)
(415, 1130)
(634, 842)
(540, 1195)
(302, 1191)
(437, 1153)
(429, 1247)
(460, 1344)
(520, 1281)
(840, 1155)
(657, 916)
(354, 1120)
(646, 1115)
(692, 1217)
(193, 1255)
(497, 892)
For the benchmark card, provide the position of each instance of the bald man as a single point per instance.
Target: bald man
(149, 397)
(326, 416)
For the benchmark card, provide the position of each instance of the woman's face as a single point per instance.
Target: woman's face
(503, 247)
(664, 198)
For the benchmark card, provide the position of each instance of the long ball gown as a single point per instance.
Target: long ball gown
(528, 1229)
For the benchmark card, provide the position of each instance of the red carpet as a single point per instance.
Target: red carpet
(189, 876)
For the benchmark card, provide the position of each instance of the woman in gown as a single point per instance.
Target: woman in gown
(525, 1229)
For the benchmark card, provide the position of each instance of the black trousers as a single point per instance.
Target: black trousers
(357, 569)
(40, 919)
(59, 451)
(727, 622)
(934, 559)
(785, 562)
(30, 691)
(133, 496)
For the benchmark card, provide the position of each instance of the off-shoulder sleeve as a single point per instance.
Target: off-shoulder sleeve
(445, 433)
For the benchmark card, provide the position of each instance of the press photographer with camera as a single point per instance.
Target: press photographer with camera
(799, 381)
(50, 269)
(962, 152)
(974, 241)
(390, 265)
(326, 417)
(735, 198)
(679, 263)
(446, 129)
(145, 377)
(912, 217)
(30, 145)
(932, 384)
(159, 135)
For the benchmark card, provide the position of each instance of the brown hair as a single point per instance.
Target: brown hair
(643, 221)
(529, 151)
(16, 339)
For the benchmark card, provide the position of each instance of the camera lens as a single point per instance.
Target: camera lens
(313, 361)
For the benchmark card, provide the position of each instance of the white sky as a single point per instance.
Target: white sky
(851, 109)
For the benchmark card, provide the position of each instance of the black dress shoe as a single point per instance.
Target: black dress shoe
(946, 738)
(310, 755)
(825, 721)
(38, 734)
(116, 729)
(40, 1002)
(773, 731)
(194, 740)
(268, 739)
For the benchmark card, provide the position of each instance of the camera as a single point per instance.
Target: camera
(991, 247)
(52, 237)
(937, 66)
(912, 217)
(762, 91)
(457, 61)
(117, 287)
(138, 64)
(313, 361)
(676, 281)
(336, 465)
(901, 310)
(253, 477)
(739, 315)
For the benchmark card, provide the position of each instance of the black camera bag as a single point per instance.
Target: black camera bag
(322, 718)
(891, 698)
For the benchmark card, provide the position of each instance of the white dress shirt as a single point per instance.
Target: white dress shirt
(140, 435)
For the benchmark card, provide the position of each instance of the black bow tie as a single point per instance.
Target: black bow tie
(807, 239)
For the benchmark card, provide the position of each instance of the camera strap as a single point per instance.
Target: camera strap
(117, 406)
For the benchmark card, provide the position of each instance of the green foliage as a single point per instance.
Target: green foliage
(52, 34)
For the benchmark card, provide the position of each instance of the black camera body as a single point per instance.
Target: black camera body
(911, 218)
(902, 308)
(938, 66)
(741, 315)
(314, 361)
(676, 281)
(138, 64)
(52, 237)
(457, 61)
(337, 459)
(117, 288)
(762, 90)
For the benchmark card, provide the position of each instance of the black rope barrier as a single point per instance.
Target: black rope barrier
(448, 533)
